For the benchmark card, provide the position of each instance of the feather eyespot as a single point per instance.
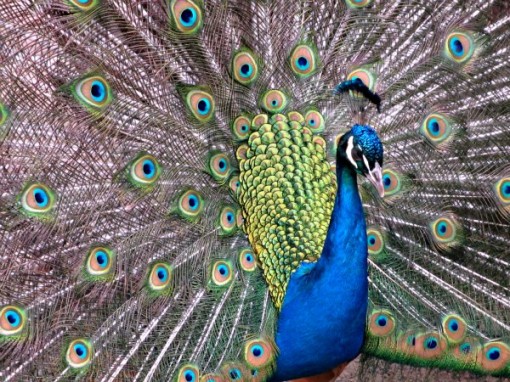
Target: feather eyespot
(228, 220)
(366, 76)
(494, 355)
(219, 166)
(430, 345)
(160, 277)
(84, 5)
(315, 121)
(201, 104)
(459, 47)
(234, 371)
(502, 189)
(100, 261)
(358, 3)
(375, 241)
(258, 353)
(188, 373)
(247, 260)
(436, 128)
(467, 349)
(144, 170)
(241, 128)
(444, 231)
(454, 327)
(93, 92)
(234, 184)
(391, 182)
(79, 353)
(4, 114)
(222, 273)
(12, 320)
(191, 204)
(245, 67)
(382, 323)
(37, 199)
(407, 342)
(274, 101)
(303, 60)
(187, 16)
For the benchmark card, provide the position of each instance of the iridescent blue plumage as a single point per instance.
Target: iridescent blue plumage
(322, 320)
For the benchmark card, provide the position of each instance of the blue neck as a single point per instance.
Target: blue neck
(322, 320)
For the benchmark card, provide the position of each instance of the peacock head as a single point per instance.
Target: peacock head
(362, 149)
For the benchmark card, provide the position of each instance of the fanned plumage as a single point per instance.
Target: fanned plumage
(166, 176)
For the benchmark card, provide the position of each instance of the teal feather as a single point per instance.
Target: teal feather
(154, 154)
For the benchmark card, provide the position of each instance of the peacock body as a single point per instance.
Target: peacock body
(183, 189)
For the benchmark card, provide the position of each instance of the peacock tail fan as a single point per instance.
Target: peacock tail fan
(166, 167)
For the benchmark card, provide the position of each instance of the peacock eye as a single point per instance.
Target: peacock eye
(144, 170)
(391, 182)
(235, 371)
(303, 60)
(454, 328)
(258, 353)
(160, 277)
(186, 15)
(430, 345)
(228, 221)
(12, 320)
(382, 323)
(496, 355)
(188, 373)
(79, 353)
(245, 67)
(459, 47)
(502, 190)
(234, 184)
(241, 128)
(315, 121)
(375, 241)
(357, 154)
(201, 104)
(436, 128)
(444, 230)
(219, 166)
(221, 273)
(100, 261)
(37, 199)
(93, 92)
(191, 205)
(247, 260)
(274, 101)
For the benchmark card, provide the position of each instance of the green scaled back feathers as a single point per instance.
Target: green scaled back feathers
(165, 167)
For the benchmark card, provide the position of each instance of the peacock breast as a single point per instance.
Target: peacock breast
(287, 191)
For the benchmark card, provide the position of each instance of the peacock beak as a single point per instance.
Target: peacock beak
(375, 177)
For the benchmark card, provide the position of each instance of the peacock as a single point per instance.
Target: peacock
(253, 190)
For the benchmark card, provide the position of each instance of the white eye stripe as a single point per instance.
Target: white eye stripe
(350, 146)
(366, 162)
